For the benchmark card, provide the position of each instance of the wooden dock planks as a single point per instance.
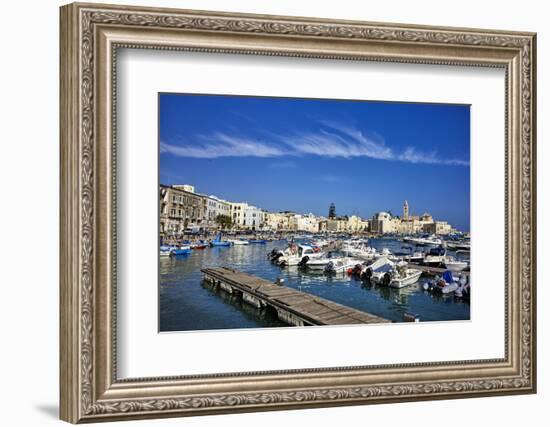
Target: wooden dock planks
(434, 270)
(313, 309)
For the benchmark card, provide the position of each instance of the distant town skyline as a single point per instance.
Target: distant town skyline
(301, 155)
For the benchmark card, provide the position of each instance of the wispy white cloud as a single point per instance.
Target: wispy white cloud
(329, 140)
(222, 145)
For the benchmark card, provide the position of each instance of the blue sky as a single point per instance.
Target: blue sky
(303, 154)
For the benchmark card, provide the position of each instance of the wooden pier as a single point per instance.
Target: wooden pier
(434, 270)
(293, 307)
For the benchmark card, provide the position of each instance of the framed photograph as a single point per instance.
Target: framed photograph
(266, 212)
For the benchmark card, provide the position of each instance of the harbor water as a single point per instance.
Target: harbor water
(186, 303)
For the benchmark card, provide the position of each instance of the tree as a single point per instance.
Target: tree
(224, 221)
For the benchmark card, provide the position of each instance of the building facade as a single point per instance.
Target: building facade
(382, 223)
(215, 207)
(180, 210)
(438, 227)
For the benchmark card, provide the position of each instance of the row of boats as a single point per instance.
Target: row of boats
(187, 247)
(380, 267)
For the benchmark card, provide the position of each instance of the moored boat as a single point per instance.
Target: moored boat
(341, 265)
(239, 242)
(180, 250)
(435, 257)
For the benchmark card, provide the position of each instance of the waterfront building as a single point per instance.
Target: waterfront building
(184, 187)
(253, 218)
(180, 210)
(247, 217)
(438, 227)
(308, 223)
(357, 224)
(338, 224)
(278, 221)
(214, 207)
(382, 223)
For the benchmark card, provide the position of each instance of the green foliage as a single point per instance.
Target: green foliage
(224, 221)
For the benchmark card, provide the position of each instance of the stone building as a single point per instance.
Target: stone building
(180, 210)
(438, 227)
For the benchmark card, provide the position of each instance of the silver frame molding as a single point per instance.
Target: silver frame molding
(90, 37)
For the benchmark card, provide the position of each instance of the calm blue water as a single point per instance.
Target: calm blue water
(187, 304)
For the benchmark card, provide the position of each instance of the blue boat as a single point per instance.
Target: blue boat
(257, 241)
(219, 242)
(166, 250)
(183, 250)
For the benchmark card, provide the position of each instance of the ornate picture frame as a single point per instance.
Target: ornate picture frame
(90, 37)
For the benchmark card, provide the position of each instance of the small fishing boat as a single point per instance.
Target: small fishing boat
(165, 250)
(402, 276)
(463, 246)
(455, 264)
(341, 265)
(199, 245)
(376, 271)
(239, 242)
(258, 241)
(217, 241)
(180, 250)
(220, 243)
(424, 241)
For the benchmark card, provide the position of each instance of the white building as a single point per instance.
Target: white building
(382, 222)
(308, 223)
(245, 216)
(357, 224)
(254, 218)
(215, 207)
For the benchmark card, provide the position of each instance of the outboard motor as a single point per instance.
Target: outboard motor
(357, 270)
(303, 261)
(368, 273)
(386, 279)
(329, 268)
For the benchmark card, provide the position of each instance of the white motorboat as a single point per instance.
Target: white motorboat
(341, 265)
(435, 257)
(463, 246)
(165, 250)
(320, 243)
(320, 263)
(375, 271)
(298, 255)
(239, 241)
(424, 241)
(455, 264)
(414, 257)
(402, 276)
(396, 275)
(361, 251)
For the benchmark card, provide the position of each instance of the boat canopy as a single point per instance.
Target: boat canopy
(439, 251)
